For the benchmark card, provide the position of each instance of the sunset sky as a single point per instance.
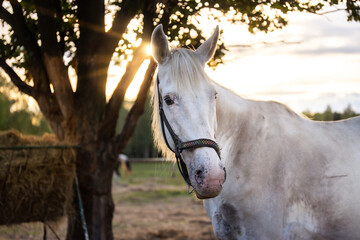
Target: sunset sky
(312, 62)
(318, 65)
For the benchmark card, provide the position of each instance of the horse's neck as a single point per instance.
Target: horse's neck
(232, 115)
(239, 120)
(230, 107)
(242, 122)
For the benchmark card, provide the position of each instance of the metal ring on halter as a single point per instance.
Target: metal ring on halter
(179, 145)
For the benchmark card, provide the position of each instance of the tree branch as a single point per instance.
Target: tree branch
(91, 24)
(52, 56)
(120, 141)
(22, 86)
(121, 21)
(330, 11)
(41, 90)
(92, 62)
(46, 12)
(111, 112)
(18, 24)
(28, 40)
(7, 17)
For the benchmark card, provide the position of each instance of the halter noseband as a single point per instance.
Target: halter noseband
(179, 145)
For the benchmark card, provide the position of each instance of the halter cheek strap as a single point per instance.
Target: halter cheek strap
(179, 145)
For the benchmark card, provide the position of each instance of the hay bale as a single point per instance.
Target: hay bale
(35, 184)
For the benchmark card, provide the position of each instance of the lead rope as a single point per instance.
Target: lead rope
(184, 173)
(82, 215)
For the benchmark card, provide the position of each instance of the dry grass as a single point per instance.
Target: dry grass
(152, 204)
(167, 217)
(35, 184)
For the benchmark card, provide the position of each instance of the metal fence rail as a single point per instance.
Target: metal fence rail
(145, 160)
(38, 147)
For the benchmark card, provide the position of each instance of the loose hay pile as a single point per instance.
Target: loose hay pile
(35, 184)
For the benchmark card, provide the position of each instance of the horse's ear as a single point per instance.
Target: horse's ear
(160, 45)
(206, 50)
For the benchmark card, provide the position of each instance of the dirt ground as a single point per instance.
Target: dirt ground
(179, 217)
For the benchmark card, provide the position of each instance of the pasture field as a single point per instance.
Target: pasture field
(151, 203)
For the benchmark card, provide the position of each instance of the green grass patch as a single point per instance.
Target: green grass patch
(151, 181)
(148, 196)
(165, 173)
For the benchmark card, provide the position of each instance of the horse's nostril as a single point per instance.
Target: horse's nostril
(199, 176)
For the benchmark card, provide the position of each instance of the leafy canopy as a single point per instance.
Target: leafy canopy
(179, 17)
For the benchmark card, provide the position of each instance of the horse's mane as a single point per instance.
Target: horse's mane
(187, 73)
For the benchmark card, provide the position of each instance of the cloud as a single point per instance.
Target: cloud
(354, 49)
(279, 93)
(315, 35)
(321, 69)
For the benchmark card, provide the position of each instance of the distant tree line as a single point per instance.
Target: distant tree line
(19, 116)
(329, 115)
(141, 144)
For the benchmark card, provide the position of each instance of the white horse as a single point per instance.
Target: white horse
(287, 177)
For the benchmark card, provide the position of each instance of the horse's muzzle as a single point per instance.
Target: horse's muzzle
(208, 184)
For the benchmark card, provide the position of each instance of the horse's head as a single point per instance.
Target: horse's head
(185, 111)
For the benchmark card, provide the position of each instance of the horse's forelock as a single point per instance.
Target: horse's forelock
(186, 71)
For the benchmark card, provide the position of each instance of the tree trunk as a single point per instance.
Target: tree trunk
(83, 116)
(99, 211)
(95, 177)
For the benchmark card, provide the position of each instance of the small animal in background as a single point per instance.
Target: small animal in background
(124, 163)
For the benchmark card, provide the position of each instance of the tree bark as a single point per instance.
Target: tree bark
(94, 172)
(99, 211)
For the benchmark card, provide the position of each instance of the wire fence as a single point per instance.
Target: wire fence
(19, 148)
(9, 157)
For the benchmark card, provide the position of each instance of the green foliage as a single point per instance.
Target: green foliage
(23, 120)
(329, 115)
(141, 143)
(177, 16)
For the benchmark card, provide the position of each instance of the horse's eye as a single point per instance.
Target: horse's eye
(168, 100)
